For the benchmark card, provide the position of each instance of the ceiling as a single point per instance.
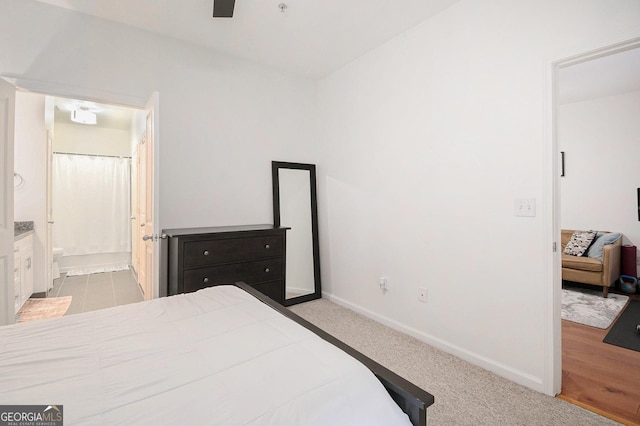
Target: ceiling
(311, 38)
(315, 38)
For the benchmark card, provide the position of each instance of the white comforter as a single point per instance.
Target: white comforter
(215, 357)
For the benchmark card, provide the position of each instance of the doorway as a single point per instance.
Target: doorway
(592, 90)
(71, 147)
(92, 204)
(91, 186)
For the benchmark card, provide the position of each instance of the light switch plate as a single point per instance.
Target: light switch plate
(525, 207)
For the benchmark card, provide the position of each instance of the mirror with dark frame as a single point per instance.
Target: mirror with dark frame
(295, 207)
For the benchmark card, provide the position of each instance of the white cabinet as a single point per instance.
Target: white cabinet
(23, 270)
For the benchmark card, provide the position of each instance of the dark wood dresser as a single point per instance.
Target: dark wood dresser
(205, 257)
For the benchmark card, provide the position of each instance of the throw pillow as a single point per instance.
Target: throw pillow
(579, 243)
(602, 239)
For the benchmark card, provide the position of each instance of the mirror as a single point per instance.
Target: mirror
(295, 208)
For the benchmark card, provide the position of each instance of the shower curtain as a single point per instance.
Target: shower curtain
(91, 209)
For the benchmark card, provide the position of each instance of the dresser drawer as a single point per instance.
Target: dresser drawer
(212, 252)
(249, 272)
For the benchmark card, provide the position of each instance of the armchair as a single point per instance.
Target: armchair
(592, 270)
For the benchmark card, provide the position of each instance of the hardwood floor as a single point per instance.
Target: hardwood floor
(598, 376)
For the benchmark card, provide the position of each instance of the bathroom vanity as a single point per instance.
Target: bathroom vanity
(23, 262)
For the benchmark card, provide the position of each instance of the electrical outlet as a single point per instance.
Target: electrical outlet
(422, 294)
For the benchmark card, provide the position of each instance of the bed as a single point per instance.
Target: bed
(222, 355)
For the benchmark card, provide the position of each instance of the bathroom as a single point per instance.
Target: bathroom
(75, 185)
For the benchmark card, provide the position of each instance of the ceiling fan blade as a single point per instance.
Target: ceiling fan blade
(223, 8)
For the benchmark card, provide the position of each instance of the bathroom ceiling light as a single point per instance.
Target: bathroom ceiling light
(83, 116)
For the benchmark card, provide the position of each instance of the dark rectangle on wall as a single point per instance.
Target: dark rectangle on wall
(639, 204)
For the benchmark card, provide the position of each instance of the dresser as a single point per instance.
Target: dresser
(205, 257)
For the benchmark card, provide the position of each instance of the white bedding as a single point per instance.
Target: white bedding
(215, 357)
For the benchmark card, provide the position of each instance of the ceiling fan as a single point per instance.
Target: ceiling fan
(223, 8)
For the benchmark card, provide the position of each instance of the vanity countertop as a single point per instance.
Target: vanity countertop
(22, 229)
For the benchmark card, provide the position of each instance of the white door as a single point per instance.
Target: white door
(145, 247)
(135, 211)
(7, 121)
(148, 199)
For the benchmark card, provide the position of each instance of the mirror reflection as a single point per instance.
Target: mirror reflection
(295, 208)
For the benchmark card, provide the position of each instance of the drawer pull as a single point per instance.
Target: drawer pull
(206, 252)
(266, 269)
(205, 280)
(267, 246)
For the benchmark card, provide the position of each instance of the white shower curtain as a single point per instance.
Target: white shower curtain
(91, 209)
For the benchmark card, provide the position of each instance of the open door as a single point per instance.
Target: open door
(148, 203)
(135, 210)
(7, 278)
(145, 216)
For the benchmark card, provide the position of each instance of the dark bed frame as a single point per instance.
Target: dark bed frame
(410, 398)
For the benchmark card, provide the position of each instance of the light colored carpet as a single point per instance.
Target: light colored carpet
(50, 307)
(464, 394)
(586, 306)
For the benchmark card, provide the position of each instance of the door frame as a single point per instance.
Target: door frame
(7, 271)
(48, 253)
(552, 380)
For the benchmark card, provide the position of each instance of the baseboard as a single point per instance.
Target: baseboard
(500, 369)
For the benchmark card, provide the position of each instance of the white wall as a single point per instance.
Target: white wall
(30, 201)
(222, 121)
(426, 143)
(601, 138)
(87, 139)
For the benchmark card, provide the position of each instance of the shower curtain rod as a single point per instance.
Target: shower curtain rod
(92, 155)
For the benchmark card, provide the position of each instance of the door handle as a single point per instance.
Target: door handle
(151, 237)
(142, 225)
(51, 222)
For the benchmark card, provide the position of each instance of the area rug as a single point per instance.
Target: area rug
(50, 307)
(588, 307)
(624, 332)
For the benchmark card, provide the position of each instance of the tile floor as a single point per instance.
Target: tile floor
(97, 291)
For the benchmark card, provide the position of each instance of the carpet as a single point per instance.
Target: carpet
(624, 333)
(465, 394)
(588, 307)
(50, 307)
